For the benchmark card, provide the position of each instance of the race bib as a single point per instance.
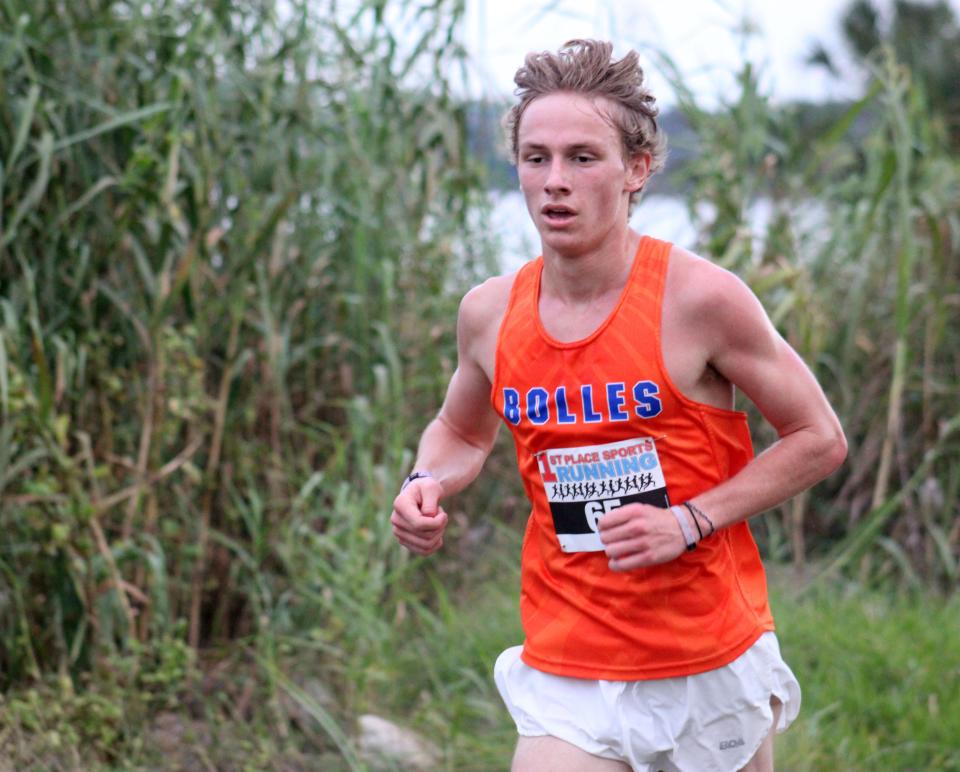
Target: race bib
(582, 484)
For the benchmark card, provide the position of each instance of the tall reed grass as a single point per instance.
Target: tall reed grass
(225, 251)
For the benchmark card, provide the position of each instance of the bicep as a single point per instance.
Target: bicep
(466, 409)
(754, 357)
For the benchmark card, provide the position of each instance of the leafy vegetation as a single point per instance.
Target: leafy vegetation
(924, 36)
(224, 260)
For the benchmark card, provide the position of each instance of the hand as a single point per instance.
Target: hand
(418, 520)
(638, 535)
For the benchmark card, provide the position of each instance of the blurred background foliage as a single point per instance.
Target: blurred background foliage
(233, 238)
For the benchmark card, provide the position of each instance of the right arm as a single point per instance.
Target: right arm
(456, 443)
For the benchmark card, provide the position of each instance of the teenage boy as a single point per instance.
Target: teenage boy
(613, 359)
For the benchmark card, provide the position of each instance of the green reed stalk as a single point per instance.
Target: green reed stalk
(896, 93)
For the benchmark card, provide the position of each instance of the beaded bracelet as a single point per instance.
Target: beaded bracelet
(696, 511)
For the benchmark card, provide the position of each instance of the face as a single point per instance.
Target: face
(573, 173)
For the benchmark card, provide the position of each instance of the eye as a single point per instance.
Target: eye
(534, 159)
(583, 158)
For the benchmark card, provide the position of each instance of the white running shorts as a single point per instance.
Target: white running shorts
(712, 721)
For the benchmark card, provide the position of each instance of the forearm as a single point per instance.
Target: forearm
(453, 459)
(790, 466)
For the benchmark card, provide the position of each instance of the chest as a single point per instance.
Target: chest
(568, 322)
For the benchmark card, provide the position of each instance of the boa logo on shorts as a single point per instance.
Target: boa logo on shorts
(727, 745)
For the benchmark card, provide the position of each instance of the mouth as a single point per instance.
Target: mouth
(557, 214)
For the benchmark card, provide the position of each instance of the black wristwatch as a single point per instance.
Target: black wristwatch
(413, 476)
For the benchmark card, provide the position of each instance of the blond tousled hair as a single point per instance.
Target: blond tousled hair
(586, 67)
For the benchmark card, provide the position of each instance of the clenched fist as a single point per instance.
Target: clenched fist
(639, 535)
(418, 520)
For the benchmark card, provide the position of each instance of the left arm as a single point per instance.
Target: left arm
(747, 350)
(735, 338)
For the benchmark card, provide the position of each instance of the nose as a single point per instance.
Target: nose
(556, 181)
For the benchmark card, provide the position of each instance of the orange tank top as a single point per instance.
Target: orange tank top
(598, 424)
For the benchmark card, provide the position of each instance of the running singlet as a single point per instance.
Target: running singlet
(597, 425)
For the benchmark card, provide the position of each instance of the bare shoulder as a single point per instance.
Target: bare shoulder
(701, 294)
(478, 325)
(694, 280)
(483, 306)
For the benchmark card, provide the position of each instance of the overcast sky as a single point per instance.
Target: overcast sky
(700, 35)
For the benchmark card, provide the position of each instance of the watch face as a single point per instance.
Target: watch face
(414, 476)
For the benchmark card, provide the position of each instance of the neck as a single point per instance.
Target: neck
(583, 277)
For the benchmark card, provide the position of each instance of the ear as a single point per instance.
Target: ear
(638, 169)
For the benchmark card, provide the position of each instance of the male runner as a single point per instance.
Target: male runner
(613, 360)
